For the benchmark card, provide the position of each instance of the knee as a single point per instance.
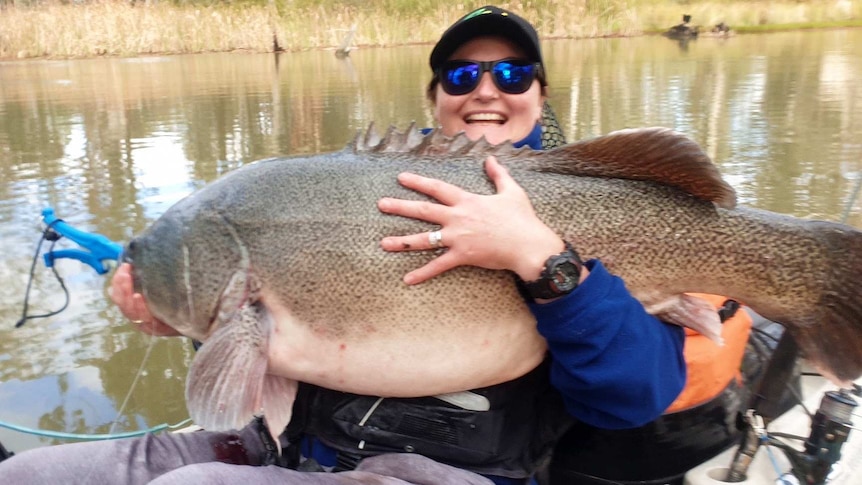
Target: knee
(29, 466)
(13, 465)
(213, 473)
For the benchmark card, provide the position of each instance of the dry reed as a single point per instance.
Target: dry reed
(120, 28)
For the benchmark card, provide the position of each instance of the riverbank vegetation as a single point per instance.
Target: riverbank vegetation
(86, 28)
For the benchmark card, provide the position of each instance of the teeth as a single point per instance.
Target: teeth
(485, 117)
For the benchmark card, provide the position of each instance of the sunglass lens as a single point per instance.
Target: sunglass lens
(460, 78)
(514, 77)
(510, 76)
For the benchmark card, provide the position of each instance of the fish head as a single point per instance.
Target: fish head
(163, 271)
(157, 274)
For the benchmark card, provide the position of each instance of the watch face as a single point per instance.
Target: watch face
(561, 276)
(565, 276)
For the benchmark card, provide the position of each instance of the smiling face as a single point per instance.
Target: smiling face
(486, 110)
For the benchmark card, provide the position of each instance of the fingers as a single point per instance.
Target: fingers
(122, 293)
(434, 267)
(414, 242)
(450, 194)
(133, 306)
(420, 210)
(422, 242)
(414, 209)
(121, 290)
(499, 175)
(138, 308)
(477, 230)
(435, 213)
(442, 191)
(155, 328)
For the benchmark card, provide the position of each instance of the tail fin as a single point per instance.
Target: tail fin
(834, 344)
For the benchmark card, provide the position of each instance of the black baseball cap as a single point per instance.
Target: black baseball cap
(488, 20)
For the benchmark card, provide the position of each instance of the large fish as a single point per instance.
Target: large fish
(277, 268)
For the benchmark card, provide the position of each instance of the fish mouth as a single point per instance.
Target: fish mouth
(494, 118)
(127, 255)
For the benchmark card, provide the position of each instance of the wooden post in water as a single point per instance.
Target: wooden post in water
(344, 49)
(273, 15)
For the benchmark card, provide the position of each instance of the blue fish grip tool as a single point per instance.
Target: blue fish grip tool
(95, 251)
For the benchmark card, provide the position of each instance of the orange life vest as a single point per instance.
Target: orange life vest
(711, 367)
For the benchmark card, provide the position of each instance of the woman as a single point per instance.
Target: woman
(611, 364)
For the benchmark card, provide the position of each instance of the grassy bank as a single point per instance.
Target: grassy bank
(120, 28)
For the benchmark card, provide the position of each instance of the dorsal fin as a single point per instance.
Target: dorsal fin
(413, 142)
(655, 154)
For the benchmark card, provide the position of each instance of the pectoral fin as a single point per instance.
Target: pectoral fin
(228, 382)
(278, 396)
(692, 312)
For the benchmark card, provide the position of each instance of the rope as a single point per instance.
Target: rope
(134, 382)
(47, 235)
(92, 437)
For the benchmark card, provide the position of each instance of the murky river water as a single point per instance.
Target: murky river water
(111, 143)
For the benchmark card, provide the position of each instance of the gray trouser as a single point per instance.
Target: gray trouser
(206, 457)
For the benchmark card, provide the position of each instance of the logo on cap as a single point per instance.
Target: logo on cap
(482, 11)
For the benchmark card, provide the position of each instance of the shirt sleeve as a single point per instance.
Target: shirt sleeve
(616, 365)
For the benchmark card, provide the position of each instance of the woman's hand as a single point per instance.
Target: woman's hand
(133, 306)
(499, 231)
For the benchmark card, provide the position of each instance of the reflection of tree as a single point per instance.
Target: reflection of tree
(228, 110)
(158, 395)
(61, 419)
(23, 126)
(232, 109)
(802, 169)
(752, 104)
(156, 398)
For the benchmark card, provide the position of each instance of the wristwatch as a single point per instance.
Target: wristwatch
(560, 276)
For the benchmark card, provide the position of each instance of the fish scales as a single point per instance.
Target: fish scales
(291, 246)
(336, 238)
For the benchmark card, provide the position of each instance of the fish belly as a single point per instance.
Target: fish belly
(420, 356)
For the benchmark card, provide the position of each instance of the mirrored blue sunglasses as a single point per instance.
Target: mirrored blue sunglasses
(512, 76)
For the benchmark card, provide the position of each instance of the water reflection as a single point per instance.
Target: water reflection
(111, 143)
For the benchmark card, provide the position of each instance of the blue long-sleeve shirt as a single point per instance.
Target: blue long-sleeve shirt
(615, 365)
